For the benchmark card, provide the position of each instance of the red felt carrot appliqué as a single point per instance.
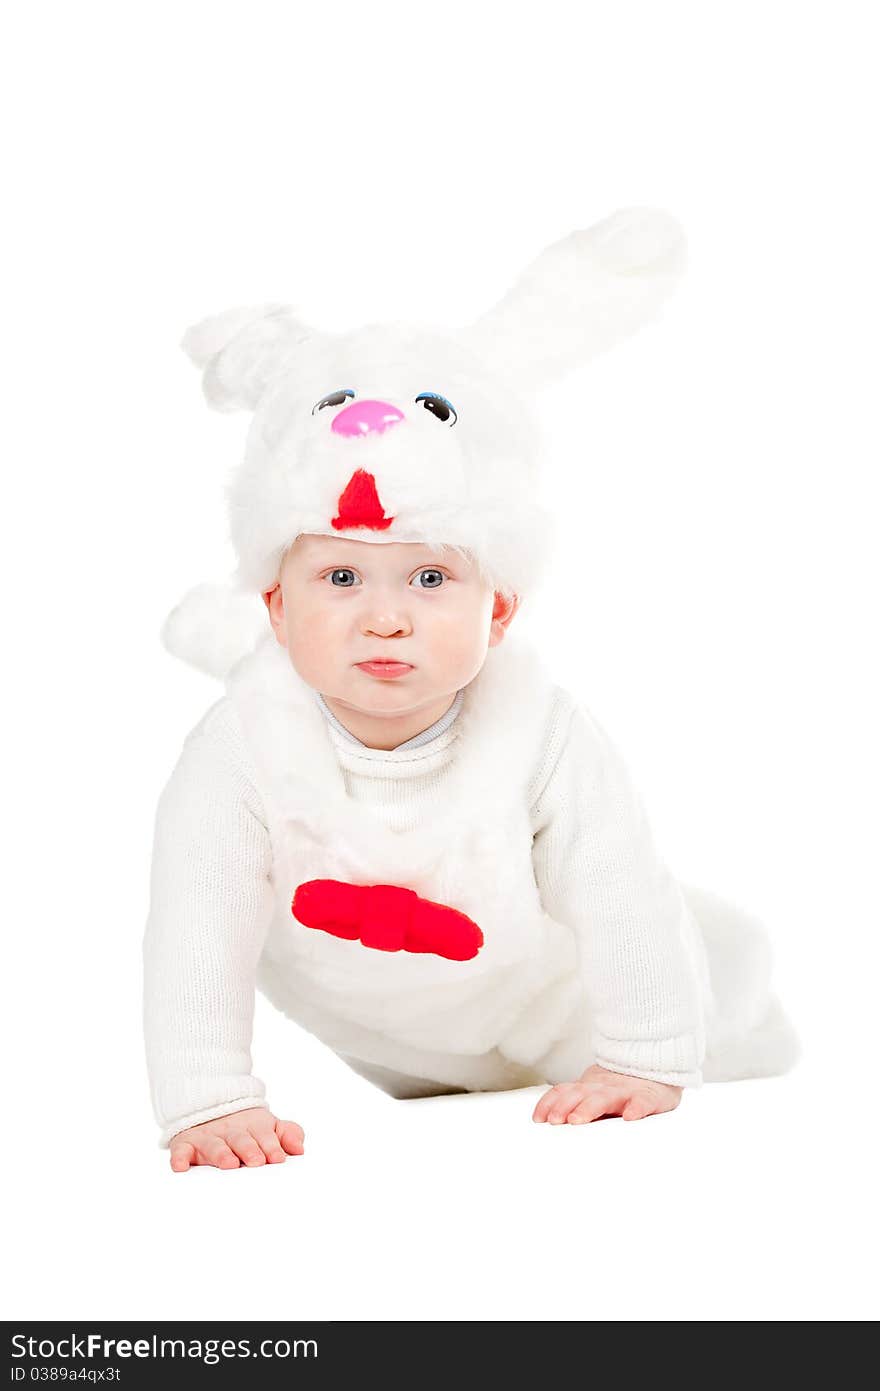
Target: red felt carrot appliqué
(386, 918)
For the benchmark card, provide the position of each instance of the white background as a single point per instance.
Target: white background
(713, 601)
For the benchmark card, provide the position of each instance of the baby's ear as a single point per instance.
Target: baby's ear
(241, 349)
(582, 295)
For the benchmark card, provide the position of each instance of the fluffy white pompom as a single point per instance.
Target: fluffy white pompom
(214, 626)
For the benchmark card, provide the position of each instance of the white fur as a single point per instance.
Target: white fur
(213, 626)
(582, 295)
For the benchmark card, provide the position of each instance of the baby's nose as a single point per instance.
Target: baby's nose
(361, 417)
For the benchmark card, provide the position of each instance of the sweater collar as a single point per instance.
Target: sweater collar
(426, 736)
(498, 737)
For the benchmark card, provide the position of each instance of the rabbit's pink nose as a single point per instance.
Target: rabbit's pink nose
(362, 417)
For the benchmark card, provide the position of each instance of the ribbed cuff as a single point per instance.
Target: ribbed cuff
(675, 1061)
(210, 1113)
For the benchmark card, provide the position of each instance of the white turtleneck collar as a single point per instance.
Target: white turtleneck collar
(425, 737)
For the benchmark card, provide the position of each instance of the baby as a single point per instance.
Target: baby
(394, 823)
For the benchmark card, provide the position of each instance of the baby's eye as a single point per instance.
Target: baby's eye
(335, 398)
(439, 406)
(343, 583)
(433, 575)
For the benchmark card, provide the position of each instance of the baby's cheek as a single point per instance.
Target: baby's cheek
(457, 641)
(314, 646)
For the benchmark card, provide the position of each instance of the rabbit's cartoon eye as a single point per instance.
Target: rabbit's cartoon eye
(335, 398)
(439, 406)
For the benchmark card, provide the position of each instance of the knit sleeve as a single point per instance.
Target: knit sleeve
(598, 872)
(210, 904)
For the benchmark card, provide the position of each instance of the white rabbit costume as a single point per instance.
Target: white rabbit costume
(518, 820)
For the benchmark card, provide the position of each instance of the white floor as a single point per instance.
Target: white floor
(747, 1203)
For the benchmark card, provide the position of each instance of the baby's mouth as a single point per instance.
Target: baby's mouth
(383, 668)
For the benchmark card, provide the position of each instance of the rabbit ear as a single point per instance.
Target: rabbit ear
(239, 351)
(582, 295)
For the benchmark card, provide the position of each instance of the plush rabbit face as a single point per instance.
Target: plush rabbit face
(389, 433)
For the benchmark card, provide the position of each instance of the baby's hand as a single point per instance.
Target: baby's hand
(603, 1093)
(252, 1137)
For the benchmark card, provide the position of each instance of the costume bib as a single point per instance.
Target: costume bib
(434, 937)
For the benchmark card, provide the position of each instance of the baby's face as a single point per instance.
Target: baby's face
(340, 603)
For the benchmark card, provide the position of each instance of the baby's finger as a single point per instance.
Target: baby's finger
(549, 1099)
(268, 1142)
(215, 1151)
(290, 1135)
(638, 1107)
(242, 1143)
(183, 1154)
(567, 1096)
(544, 1104)
(603, 1101)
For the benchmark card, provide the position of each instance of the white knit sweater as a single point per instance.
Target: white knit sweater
(642, 972)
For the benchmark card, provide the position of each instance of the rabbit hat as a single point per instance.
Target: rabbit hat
(397, 432)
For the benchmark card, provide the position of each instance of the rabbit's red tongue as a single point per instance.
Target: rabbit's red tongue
(359, 504)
